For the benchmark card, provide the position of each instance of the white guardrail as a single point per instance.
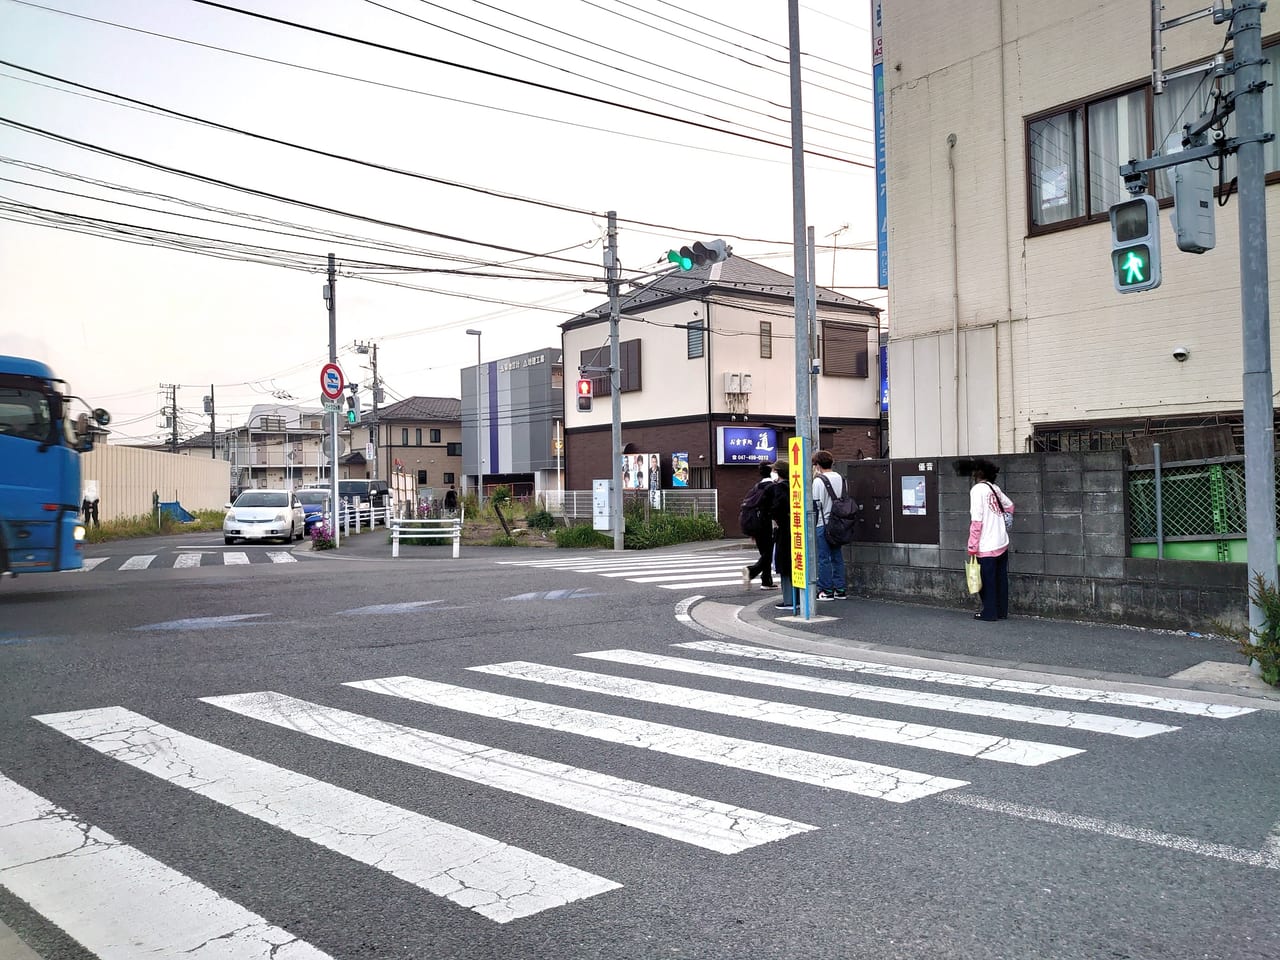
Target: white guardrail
(445, 527)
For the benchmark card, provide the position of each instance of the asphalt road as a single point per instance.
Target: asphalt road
(597, 806)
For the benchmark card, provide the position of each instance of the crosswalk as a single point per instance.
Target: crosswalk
(672, 571)
(931, 743)
(186, 561)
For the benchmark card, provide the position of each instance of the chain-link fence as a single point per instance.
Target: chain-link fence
(1197, 501)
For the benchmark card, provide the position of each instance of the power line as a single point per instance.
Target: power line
(523, 82)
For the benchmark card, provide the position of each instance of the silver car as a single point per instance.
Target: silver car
(264, 515)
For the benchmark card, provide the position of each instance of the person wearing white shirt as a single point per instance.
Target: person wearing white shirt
(989, 536)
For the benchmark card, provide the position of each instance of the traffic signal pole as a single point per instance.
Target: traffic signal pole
(331, 298)
(1247, 63)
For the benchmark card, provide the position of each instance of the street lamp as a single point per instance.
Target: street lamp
(479, 434)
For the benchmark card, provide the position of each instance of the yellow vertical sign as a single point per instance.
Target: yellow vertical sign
(798, 503)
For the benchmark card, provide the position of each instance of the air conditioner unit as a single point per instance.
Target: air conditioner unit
(733, 383)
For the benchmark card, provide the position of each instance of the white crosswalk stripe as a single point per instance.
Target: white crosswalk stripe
(185, 560)
(1056, 691)
(234, 557)
(116, 901)
(140, 562)
(922, 736)
(281, 556)
(673, 571)
(803, 766)
(705, 823)
(496, 880)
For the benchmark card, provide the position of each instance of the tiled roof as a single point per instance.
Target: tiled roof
(423, 408)
(735, 274)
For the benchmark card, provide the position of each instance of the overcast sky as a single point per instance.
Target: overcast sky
(112, 296)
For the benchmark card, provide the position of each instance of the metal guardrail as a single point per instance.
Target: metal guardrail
(435, 529)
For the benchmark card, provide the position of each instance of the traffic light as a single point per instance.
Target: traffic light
(700, 254)
(584, 395)
(353, 405)
(1135, 244)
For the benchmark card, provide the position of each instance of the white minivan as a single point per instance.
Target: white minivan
(264, 515)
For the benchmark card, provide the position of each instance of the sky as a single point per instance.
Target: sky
(458, 163)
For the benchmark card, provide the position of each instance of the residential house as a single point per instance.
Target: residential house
(417, 441)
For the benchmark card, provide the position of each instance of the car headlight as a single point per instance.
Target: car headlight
(281, 517)
(78, 533)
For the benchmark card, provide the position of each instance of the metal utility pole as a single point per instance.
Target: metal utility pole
(1247, 67)
(172, 405)
(804, 361)
(615, 378)
(372, 350)
(812, 310)
(331, 299)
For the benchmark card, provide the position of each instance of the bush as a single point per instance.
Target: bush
(502, 540)
(581, 535)
(322, 537)
(540, 520)
(660, 529)
(1266, 649)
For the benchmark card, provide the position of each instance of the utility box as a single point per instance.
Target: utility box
(732, 383)
(1193, 206)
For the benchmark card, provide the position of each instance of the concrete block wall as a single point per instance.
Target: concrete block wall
(1069, 552)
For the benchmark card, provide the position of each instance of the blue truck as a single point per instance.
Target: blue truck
(41, 440)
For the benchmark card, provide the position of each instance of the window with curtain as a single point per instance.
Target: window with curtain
(404, 436)
(1117, 134)
(1057, 168)
(453, 449)
(435, 436)
(417, 437)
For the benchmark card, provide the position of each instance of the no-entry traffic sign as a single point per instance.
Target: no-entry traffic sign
(331, 381)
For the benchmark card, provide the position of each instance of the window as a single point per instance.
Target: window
(417, 437)
(766, 339)
(697, 339)
(629, 372)
(448, 478)
(844, 350)
(422, 477)
(435, 436)
(404, 436)
(453, 450)
(25, 413)
(1074, 154)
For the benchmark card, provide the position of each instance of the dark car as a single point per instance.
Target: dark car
(315, 507)
(365, 495)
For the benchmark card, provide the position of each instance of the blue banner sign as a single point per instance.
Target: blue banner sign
(746, 445)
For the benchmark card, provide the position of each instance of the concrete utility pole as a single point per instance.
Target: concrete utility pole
(804, 360)
(331, 299)
(372, 349)
(479, 428)
(815, 437)
(213, 430)
(172, 413)
(615, 377)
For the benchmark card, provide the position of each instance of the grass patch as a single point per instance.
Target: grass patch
(126, 528)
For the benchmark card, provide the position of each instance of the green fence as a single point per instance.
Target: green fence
(1202, 506)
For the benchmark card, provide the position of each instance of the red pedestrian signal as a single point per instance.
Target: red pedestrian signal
(584, 395)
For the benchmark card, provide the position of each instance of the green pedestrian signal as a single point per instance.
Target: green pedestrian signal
(351, 416)
(1135, 244)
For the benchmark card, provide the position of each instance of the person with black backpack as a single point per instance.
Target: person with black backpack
(758, 525)
(828, 487)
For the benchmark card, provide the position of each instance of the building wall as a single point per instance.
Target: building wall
(127, 477)
(521, 398)
(1062, 344)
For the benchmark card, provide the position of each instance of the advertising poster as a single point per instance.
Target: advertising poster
(913, 497)
(636, 468)
(680, 469)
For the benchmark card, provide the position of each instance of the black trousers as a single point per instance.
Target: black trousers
(995, 587)
(763, 568)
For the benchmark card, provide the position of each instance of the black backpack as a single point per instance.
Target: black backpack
(754, 515)
(842, 521)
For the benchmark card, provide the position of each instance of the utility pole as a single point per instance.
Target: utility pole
(331, 299)
(804, 362)
(172, 404)
(1247, 63)
(371, 349)
(213, 430)
(615, 378)
(815, 438)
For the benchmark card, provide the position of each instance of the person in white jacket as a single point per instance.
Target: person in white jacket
(989, 536)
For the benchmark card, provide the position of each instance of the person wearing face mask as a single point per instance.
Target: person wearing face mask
(763, 535)
(780, 513)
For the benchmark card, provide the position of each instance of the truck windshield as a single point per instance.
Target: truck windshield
(26, 413)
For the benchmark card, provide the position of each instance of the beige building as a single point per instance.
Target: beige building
(1006, 123)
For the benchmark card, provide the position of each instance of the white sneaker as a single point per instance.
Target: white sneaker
(746, 576)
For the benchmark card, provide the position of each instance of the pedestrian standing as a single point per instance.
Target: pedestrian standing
(989, 536)
(780, 515)
(763, 536)
(831, 580)
(451, 500)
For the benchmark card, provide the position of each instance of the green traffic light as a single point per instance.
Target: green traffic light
(351, 416)
(1132, 265)
(684, 263)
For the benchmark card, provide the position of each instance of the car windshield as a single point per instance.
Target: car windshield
(262, 498)
(348, 487)
(313, 498)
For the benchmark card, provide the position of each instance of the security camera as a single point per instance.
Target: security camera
(1180, 353)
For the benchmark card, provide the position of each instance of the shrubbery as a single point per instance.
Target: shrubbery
(645, 532)
(1261, 645)
(123, 528)
(540, 520)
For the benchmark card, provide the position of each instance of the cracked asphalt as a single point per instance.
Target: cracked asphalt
(888, 828)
